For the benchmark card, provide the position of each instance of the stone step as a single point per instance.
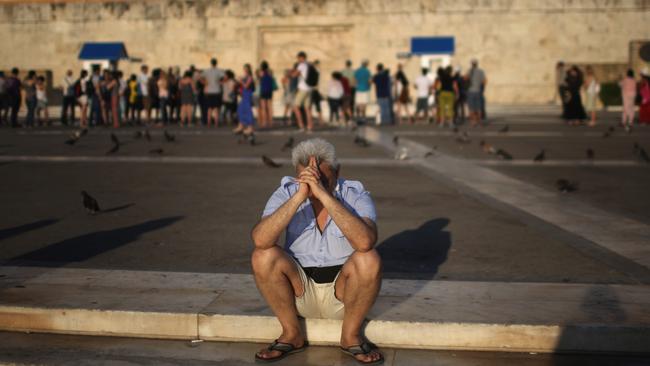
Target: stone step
(423, 314)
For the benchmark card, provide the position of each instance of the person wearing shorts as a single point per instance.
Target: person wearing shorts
(362, 94)
(211, 78)
(302, 100)
(328, 267)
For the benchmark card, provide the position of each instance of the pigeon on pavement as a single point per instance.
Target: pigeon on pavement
(505, 129)
(565, 186)
(289, 144)
(540, 157)
(503, 154)
(169, 137)
(269, 162)
(590, 154)
(90, 203)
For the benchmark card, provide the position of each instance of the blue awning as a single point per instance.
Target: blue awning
(112, 51)
(432, 45)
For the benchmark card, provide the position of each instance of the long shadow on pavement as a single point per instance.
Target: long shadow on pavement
(86, 246)
(416, 253)
(17, 230)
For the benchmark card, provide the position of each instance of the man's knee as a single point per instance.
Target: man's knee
(264, 260)
(366, 264)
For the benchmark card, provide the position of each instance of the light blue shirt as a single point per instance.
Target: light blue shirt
(362, 76)
(304, 241)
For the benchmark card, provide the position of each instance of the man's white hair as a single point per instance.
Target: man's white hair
(316, 147)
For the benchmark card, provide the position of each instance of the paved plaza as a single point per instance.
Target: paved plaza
(190, 209)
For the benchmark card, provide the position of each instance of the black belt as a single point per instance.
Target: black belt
(322, 274)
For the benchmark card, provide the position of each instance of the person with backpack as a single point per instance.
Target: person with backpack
(316, 97)
(307, 80)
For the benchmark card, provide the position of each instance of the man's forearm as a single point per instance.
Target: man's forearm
(266, 233)
(361, 235)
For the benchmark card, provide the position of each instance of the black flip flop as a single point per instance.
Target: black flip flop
(362, 349)
(285, 350)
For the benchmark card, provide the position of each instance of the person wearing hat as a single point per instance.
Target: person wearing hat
(644, 93)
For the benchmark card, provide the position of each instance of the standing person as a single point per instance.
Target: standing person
(69, 99)
(245, 108)
(348, 74)
(592, 89)
(3, 98)
(29, 86)
(423, 86)
(316, 97)
(628, 92)
(560, 85)
(401, 93)
(163, 96)
(133, 113)
(211, 78)
(448, 89)
(644, 93)
(346, 101)
(94, 94)
(153, 96)
(106, 96)
(187, 88)
(477, 82)
(82, 98)
(334, 96)
(382, 91)
(122, 96)
(143, 93)
(575, 111)
(303, 95)
(265, 110)
(14, 96)
(229, 87)
(173, 78)
(362, 93)
(113, 90)
(41, 101)
(288, 94)
(461, 98)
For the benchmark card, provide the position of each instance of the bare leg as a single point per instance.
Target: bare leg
(279, 282)
(358, 286)
(310, 119)
(296, 110)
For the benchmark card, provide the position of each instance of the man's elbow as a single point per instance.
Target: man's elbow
(366, 245)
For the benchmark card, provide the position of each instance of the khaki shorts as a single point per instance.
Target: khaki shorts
(362, 98)
(318, 300)
(303, 97)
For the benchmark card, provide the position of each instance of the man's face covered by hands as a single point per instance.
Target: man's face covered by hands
(320, 176)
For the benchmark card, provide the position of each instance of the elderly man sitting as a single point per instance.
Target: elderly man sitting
(328, 267)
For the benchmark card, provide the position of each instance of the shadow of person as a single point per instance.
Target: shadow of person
(17, 230)
(416, 253)
(83, 247)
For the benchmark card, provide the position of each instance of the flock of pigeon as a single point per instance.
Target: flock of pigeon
(562, 184)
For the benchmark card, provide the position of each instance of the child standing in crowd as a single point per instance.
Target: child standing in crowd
(628, 91)
(41, 102)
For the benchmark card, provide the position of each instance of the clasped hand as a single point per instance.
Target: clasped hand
(310, 182)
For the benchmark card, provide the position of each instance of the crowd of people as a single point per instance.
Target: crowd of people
(572, 83)
(213, 95)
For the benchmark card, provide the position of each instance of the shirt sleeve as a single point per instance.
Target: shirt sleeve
(278, 198)
(365, 207)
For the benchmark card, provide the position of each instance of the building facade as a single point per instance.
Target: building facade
(517, 42)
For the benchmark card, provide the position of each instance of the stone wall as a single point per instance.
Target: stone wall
(517, 42)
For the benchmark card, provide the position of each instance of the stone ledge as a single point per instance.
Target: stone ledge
(490, 316)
